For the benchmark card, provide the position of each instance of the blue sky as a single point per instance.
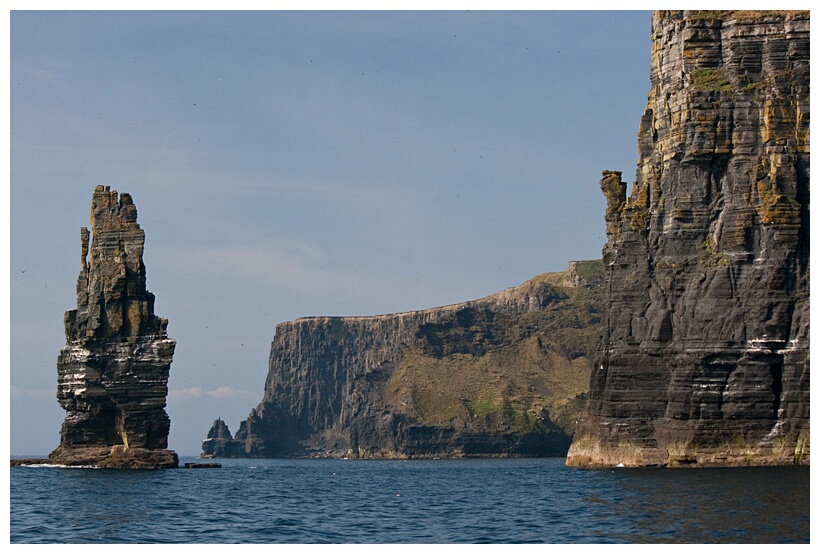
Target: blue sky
(288, 164)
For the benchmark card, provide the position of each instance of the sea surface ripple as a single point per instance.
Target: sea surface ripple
(417, 501)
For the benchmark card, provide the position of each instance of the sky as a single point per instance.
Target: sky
(288, 164)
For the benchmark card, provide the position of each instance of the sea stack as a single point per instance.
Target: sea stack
(112, 374)
(704, 359)
(220, 443)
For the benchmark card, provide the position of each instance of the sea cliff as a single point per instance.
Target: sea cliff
(505, 375)
(705, 351)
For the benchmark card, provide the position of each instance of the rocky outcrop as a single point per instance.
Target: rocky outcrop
(502, 376)
(705, 351)
(221, 443)
(112, 375)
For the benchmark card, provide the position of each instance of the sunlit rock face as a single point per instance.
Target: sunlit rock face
(705, 351)
(112, 375)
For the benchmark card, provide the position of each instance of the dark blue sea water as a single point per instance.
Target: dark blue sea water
(446, 501)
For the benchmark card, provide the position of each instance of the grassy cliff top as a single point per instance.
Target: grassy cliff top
(579, 274)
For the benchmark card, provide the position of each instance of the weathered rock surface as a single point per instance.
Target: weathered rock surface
(502, 376)
(705, 351)
(112, 375)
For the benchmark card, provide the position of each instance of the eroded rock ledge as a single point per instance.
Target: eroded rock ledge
(705, 352)
(112, 375)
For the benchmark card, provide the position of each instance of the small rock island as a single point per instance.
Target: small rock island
(112, 374)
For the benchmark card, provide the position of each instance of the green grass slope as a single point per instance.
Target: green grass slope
(484, 371)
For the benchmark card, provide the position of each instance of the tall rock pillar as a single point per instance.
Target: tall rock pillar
(704, 358)
(112, 375)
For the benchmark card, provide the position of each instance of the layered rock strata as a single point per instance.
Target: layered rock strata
(502, 376)
(112, 375)
(705, 351)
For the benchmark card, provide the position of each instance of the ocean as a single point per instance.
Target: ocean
(413, 501)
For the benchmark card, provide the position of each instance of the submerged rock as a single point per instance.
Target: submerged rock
(112, 375)
(202, 465)
(705, 351)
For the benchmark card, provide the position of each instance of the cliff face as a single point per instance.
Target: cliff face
(705, 353)
(112, 375)
(500, 376)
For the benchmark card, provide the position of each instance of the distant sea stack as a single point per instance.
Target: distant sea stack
(705, 352)
(112, 375)
(502, 376)
(220, 443)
